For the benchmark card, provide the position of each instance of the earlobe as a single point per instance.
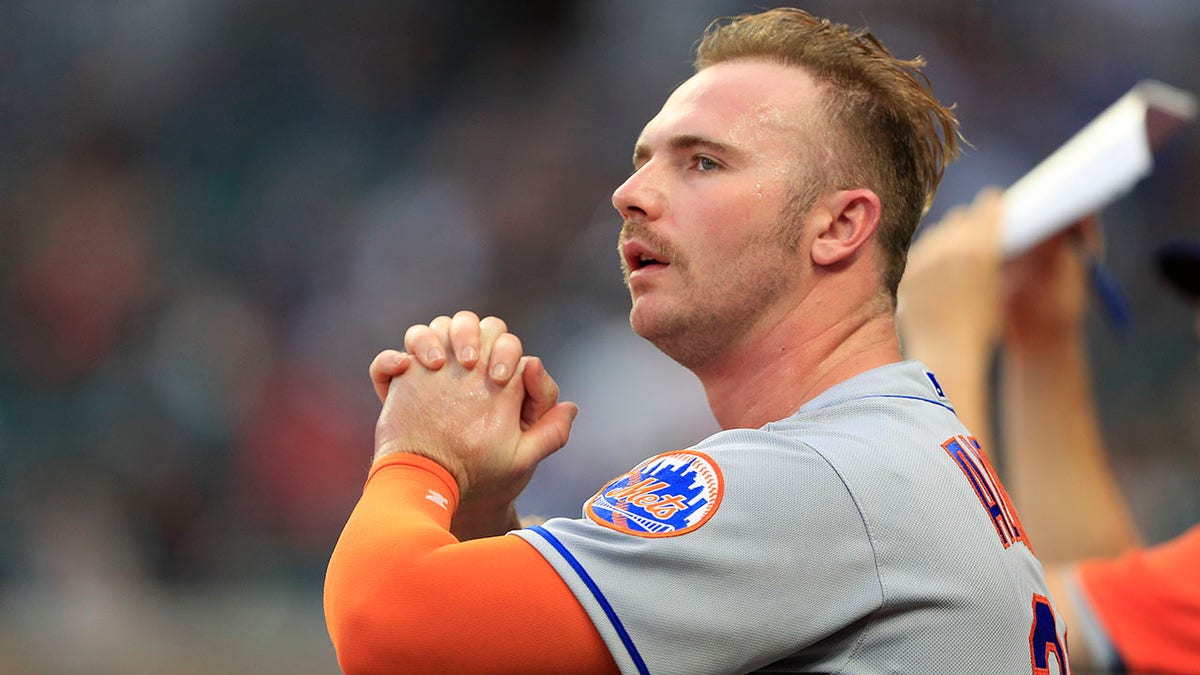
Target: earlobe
(853, 217)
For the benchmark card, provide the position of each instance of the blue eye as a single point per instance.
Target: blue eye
(707, 164)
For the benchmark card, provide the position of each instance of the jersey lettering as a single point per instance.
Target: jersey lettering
(643, 494)
(969, 456)
(1043, 639)
(936, 387)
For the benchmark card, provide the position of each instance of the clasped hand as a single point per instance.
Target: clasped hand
(464, 395)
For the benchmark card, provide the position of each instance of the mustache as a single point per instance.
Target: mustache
(633, 229)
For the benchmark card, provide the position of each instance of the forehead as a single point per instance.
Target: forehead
(738, 102)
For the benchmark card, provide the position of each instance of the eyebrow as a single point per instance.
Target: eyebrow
(641, 151)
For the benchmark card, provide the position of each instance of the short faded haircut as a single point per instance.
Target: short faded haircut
(888, 129)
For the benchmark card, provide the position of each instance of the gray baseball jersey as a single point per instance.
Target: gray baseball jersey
(866, 533)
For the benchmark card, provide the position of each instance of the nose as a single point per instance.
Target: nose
(639, 197)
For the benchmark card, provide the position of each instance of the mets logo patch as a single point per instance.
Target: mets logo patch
(665, 496)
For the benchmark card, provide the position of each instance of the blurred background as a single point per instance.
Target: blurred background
(213, 213)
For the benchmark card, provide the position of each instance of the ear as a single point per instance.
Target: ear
(853, 216)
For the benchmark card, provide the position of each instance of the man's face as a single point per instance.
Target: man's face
(711, 245)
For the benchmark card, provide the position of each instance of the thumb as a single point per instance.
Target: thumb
(548, 434)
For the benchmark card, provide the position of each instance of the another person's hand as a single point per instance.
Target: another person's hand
(1045, 291)
(948, 296)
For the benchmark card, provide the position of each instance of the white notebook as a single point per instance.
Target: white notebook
(1097, 165)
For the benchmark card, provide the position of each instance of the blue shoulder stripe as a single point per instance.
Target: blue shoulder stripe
(911, 398)
(604, 604)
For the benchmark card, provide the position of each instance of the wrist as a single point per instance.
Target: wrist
(1045, 344)
(454, 468)
(420, 468)
(473, 521)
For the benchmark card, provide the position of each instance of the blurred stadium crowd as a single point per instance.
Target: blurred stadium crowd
(213, 213)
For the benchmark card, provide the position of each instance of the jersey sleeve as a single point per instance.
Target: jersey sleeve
(403, 595)
(714, 590)
(1147, 603)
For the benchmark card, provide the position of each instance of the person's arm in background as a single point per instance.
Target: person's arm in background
(1141, 611)
(1057, 466)
(959, 298)
(956, 295)
(948, 310)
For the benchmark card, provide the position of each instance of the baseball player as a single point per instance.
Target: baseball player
(843, 521)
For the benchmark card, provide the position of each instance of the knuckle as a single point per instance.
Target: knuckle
(494, 323)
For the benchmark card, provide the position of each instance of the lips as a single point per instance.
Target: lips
(640, 257)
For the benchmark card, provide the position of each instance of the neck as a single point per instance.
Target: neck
(783, 365)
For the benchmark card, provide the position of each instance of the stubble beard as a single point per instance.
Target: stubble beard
(716, 308)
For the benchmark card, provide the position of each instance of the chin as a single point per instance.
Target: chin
(670, 337)
(638, 324)
(644, 321)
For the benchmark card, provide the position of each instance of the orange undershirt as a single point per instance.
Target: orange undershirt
(1149, 603)
(402, 594)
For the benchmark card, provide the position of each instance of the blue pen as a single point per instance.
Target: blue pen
(1116, 305)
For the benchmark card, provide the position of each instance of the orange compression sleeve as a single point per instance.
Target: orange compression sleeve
(403, 595)
(1149, 604)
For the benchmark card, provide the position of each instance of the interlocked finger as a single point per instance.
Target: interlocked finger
(429, 344)
(465, 338)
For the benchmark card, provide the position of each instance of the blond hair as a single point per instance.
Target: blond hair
(895, 136)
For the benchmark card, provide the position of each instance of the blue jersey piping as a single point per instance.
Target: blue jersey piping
(911, 398)
(596, 592)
